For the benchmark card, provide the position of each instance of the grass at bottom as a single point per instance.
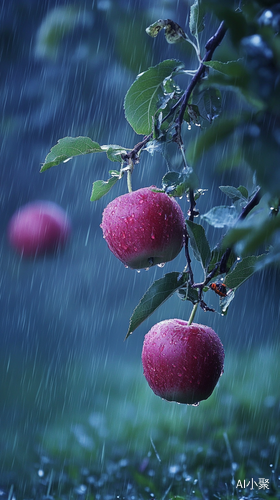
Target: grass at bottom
(113, 438)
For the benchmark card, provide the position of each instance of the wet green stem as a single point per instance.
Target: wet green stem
(129, 181)
(191, 318)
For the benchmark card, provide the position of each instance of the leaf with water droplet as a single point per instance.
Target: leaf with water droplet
(143, 97)
(188, 293)
(216, 256)
(67, 148)
(242, 271)
(196, 23)
(219, 130)
(212, 99)
(222, 216)
(100, 188)
(235, 194)
(176, 184)
(114, 152)
(199, 243)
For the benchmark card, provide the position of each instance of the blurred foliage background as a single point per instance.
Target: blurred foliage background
(72, 392)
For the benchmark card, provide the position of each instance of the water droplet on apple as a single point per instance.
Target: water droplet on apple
(161, 265)
(195, 404)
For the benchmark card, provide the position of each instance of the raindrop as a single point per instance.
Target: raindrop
(174, 469)
(81, 489)
(161, 265)
(195, 404)
(68, 159)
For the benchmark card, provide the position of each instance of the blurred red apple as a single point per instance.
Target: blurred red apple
(38, 228)
(144, 228)
(182, 363)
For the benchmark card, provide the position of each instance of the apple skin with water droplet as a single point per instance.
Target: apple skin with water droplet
(182, 363)
(38, 228)
(144, 228)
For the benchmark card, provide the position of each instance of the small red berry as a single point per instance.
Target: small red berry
(182, 363)
(144, 228)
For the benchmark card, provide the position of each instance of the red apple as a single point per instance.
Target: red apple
(182, 363)
(38, 228)
(144, 228)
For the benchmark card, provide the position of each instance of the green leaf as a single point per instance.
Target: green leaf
(114, 152)
(192, 115)
(212, 102)
(242, 271)
(196, 22)
(67, 148)
(176, 184)
(271, 257)
(216, 256)
(199, 243)
(194, 14)
(255, 232)
(142, 100)
(219, 130)
(188, 293)
(243, 191)
(235, 194)
(222, 216)
(231, 68)
(158, 293)
(261, 151)
(100, 188)
(262, 234)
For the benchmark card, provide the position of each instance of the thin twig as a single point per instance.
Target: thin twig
(210, 47)
(188, 258)
(246, 210)
(222, 264)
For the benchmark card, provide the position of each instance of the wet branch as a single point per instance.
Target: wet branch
(210, 47)
(221, 266)
(246, 210)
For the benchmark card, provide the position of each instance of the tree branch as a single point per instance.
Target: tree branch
(210, 47)
(246, 210)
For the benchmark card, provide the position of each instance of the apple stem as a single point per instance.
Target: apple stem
(192, 314)
(129, 181)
